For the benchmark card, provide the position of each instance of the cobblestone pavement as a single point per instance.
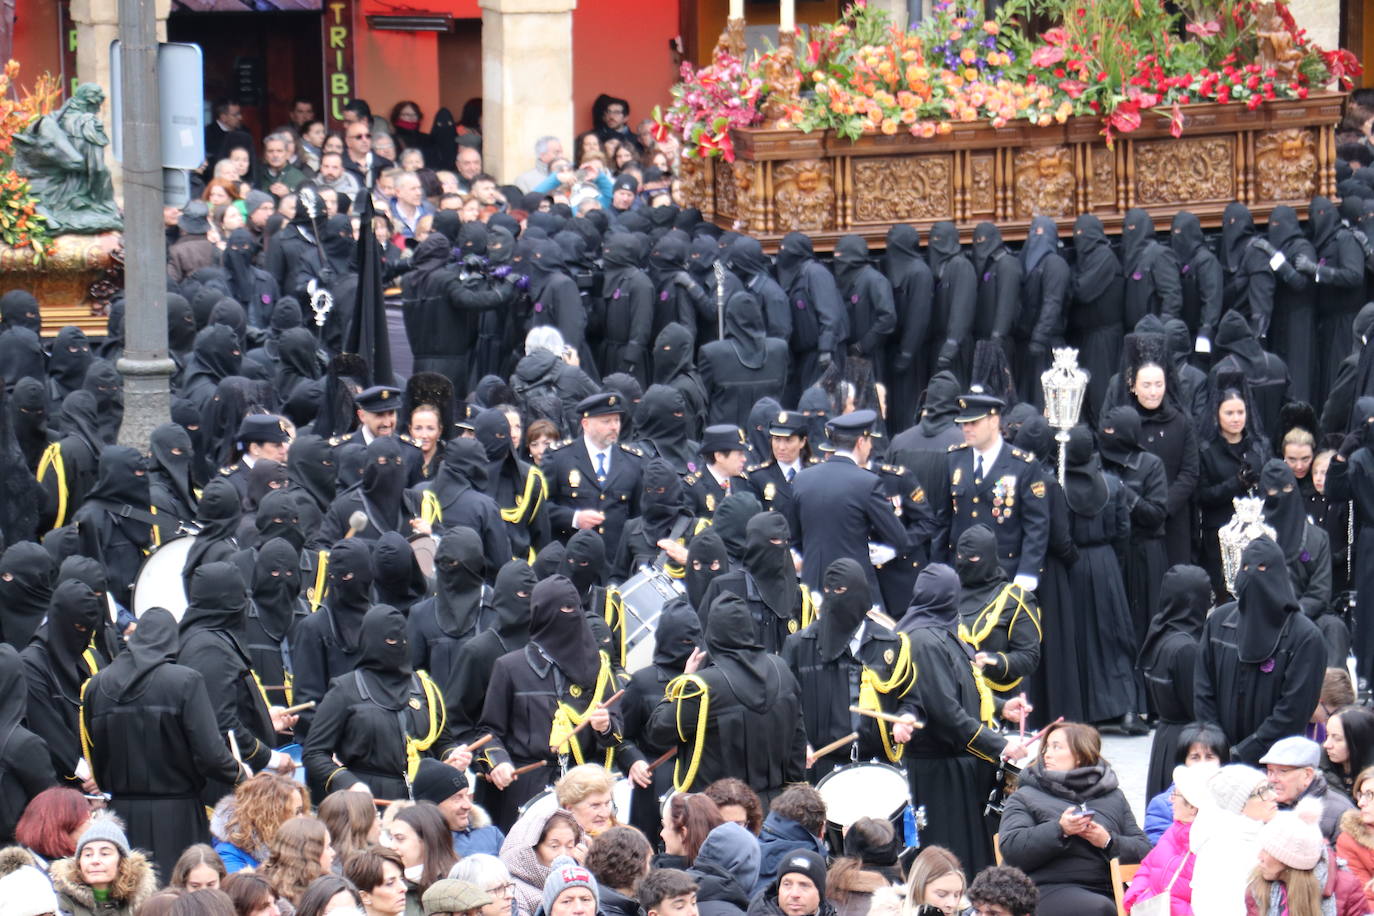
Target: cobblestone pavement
(1130, 758)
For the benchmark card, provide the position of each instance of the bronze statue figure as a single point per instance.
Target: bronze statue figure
(63, 157)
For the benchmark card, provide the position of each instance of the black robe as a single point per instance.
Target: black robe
(1046, 283)
(954, 303)
(1167, 433)
(1096, 318)
(867, 298)
(907, 358)
(1220, 480)
(326, 642)
(1293, 322)
(999, 288)
(154, 742)
(1167, 659)
(439, 626)
(629, 298)
(25, 768)
(819, 321)
(743, 367)
(1151, 271)
(1200, 276)
(1340, 290)
(996, 618)
(27, 577)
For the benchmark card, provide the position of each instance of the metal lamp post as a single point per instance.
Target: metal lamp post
(1064, 384)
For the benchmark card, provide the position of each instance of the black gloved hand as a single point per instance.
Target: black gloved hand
(902, 363)
(1262, 244)
(328, 276)
(1036, 350)
(1350, 444)
(1305, 265)
(824, 359)
(1248, 476)
(948, 351)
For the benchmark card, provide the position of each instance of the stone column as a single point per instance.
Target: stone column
(526, 80)
(1321, 19)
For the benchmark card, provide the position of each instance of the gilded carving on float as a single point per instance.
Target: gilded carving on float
(1045, 182)
(1286, 164)
(1185, 170)
(894, 189)
(804, 196)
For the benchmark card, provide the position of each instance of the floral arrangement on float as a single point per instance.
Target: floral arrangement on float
(21, 226)
(1112, 60)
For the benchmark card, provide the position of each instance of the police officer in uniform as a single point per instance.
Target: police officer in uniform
(377, 408)
(594, 480)
(841, 507)
(726, 451)
(260, 435)
(991, 483)
(772, 480)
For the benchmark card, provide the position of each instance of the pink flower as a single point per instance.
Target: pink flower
(1204, 29)
(1046, 56)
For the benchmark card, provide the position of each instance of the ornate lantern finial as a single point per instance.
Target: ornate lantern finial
(1064, 384)
(1245, 526)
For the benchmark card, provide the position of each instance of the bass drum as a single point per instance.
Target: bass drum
(546, 802)
(159, 582)
(863, 790)
(643, 596)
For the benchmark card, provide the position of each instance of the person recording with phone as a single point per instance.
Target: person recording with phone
(1066, 820)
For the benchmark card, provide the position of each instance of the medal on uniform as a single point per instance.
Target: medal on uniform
(575, 691)
(791, 626)
(414, 702)
(958, 473)
(574, 478)
(769, 491)
(710, 502)
(888, 656)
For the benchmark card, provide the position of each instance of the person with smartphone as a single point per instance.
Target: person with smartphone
(1066, 820)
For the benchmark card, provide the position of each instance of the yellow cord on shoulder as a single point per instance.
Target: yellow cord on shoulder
(688, 687)
(870, 686)
(565, 718)
(528, 503)
(88, 656)
(430, 509)
(438, 715)
(86, 743)
(989, 617)
(615, 619)
(52, 458)
(317, 593)
(808, 607)
(987, 708)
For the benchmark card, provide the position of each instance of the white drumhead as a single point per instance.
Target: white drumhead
(863, 790)
(159, 582)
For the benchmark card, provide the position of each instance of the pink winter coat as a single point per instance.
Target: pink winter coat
(1158, 868)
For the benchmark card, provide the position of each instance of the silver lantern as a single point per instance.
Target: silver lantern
(1064, 384)
(1245, 526)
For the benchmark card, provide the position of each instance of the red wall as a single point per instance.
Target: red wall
(36, 41)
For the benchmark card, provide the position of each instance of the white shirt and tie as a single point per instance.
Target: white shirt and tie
(789, 471)
(601, 467)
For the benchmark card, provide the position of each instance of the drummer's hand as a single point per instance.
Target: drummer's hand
(675, 551)
(281, 719)
(903, 730)
(502, 776)
(588, 518)
(982, 659)
(88, 785)
(282, 763)
(1016, 710)
(694, 662)
(129, 630)
(460, 757)
(1015, 750)
(640, 775)
(420, 526)
(600, 720)
(810, 757)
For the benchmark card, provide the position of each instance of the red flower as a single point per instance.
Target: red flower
(1176, 121)
(1045, 55)
(1204, 29)
(1125, 117)
(1073, 88)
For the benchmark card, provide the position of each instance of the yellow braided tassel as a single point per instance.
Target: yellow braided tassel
(989, 617)
(317, 593)
(687, 687)
(565, 718)
(987, 709)
(437, 717)
(52, 458)
(615, 619)
(528, 503)
(903, 674)
(86, 743)
(808, 607)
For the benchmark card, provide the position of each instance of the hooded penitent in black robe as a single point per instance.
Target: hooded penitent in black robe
(629, 296)
(273, 611)
(1167, 659)
(378, 720)
(1351, 478)
(748, 262)
(169, 479)
(950, 762)
(743, 367)
(458, 495)
(833, 676)
(509, 630)
(557, 301)
(29, 414)
(57, 663)
(753, 726)
(908, 356)
(1151, 271)
(767, 582)
(439, 626)
(382, 498)
(517, 486)
(1306, 551)
(1293, 322)
(1200, 276)
(326, 643)
(661, 423)
(674, 367)
(1248, 282)
(999, 287)
(819, 321)
(867, 299)
(65, 486)
(1240, 353)
(663, 513)
(1100, 521)
(997, 619)
(1096, 316)
(71, 357)
(25, 768)
(109, 533)
(1046, 283)
(217, 355)
(676, 636)
(1146, 559)
(154, 743)
(217, 518)
(1260, 667)
(27, 577)
(211, 643)
(558, 676)
(1340, 290)
(954, 302)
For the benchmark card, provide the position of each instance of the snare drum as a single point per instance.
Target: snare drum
(159, 582)
(863, 790)
(643, 596)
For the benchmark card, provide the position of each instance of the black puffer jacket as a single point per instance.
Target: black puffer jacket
(1031, 840)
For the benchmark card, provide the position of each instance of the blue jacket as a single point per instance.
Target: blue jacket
(234, 859)
(1159, 815)
(604, 187)
(780, 836)
(486, 839)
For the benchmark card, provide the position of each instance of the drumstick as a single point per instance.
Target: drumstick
(357, 523)
(292, 710)
(238, 758)
(1021, 726)
(820, 752)
(519, 771)
(1040, 734)
(663, 758)
(585, 722)
(886, 717)
(480, 742)
(382, 802)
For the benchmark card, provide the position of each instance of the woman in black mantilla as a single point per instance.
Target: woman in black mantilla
(951, 762)
(379, 720)
(152, 740)
(440, 625)
(518, 487)
(1167, 659)
(998, 620)
(1104, 633)
(1229, 465)
(538, 694)
(1096, 317)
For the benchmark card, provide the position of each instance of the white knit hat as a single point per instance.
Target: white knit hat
(1233, 785)
(1292, 840)
(1191, 782)
(26, 891)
